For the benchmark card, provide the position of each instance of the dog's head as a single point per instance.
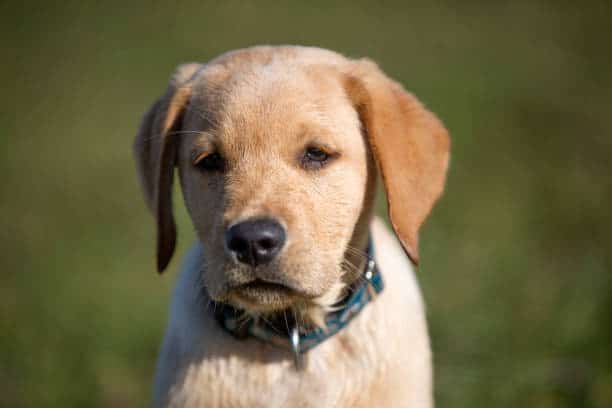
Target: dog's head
(277, 150)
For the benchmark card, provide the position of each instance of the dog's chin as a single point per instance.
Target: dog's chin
(263, 297)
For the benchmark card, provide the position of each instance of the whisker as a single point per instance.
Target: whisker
(357, 251)
(242, 321)
(297, 322)
(271, 325)
(286, 322)
(349, 264)
(244, 316)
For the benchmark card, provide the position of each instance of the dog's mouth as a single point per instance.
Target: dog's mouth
(259, 286)
(263, 293)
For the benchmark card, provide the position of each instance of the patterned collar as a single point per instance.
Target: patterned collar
(285, 333)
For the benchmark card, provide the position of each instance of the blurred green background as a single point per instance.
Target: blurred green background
(517, 258)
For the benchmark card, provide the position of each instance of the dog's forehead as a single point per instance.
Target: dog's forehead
(261, 106)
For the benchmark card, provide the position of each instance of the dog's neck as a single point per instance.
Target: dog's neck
(286, 330)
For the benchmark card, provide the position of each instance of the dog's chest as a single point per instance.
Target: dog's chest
(273, 381)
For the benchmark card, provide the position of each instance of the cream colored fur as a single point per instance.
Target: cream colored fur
(382, 359)
(261, 109)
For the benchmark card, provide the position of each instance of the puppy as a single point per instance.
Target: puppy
(295, 295)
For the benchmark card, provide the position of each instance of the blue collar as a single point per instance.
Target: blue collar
(286, 334)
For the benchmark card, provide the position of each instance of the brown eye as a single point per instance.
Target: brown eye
(315, 158)
(211, 162)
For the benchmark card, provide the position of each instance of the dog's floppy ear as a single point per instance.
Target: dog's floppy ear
(410, 146)
(155, 154)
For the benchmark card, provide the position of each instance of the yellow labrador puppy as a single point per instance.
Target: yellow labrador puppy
(294, 295)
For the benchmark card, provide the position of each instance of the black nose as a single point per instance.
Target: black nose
(255, 242)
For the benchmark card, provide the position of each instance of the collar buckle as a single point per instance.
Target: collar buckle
(369, 275)
(294, 339)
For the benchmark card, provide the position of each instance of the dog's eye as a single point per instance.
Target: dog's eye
(210, 162)
(315, 158)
